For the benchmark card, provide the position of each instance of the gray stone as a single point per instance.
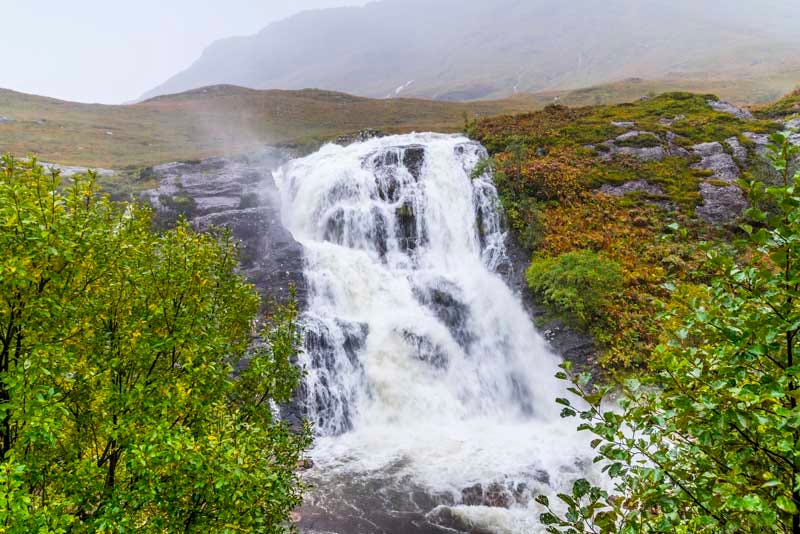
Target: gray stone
(721, 204)
(739, 152)
(760, 140)
(730, 109)
(716, 160)
(6, 120)
(664, 121)
(624, 124)
(631, 187)
(635, 134)
(793, 124)
(609, 150)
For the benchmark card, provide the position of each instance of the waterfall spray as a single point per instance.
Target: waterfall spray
(422, 365)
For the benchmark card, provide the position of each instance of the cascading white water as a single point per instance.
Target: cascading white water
(422, 365)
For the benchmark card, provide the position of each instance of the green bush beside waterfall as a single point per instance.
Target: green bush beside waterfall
(132, 396)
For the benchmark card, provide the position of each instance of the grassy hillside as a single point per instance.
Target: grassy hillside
(222, 120)
(213, 121)
(618, 181)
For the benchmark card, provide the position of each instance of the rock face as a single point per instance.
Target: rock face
(631, 187)
(721, 203)
(730, 109)
(238, 194)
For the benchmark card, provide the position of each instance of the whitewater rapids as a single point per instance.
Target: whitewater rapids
(424, 371)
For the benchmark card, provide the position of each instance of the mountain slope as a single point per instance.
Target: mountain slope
(214, 121)
(469, 49)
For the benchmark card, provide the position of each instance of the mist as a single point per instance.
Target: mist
(111, 52)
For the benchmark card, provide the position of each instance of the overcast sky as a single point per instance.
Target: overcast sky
(112, 51)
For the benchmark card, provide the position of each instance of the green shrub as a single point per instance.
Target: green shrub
(131, 396)
(576, 283)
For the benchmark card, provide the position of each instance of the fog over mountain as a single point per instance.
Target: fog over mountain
(466, 49)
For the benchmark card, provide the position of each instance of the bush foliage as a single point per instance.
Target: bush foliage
(709, 439)
(578, 283)
(119, 410)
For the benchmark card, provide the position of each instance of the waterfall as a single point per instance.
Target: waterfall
(422, 366)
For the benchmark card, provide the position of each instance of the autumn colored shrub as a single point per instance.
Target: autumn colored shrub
(557, 175)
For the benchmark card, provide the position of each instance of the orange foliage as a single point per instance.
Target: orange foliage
(558, 175)
(631, 236)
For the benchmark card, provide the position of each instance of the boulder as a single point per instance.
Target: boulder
(630, 187)
(414, 160)
(739, 152)
(726, 107)
(715, 159)
(721, 204)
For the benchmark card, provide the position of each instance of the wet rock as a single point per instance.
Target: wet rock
(739, 152)
(542, 476)
(444, 300)
(305, 464)
(239, 194)
(408, 233)
(793, 124)
(414, 160)
(730, 109)
(498, 496)
(326, 407)
(426, 350)
(473, 495)
(334, 227)
(630, 187)
(379, 232)
(494, 495)
(359, 137)
(471, 154)
(445, 518)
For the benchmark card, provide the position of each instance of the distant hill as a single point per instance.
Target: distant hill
(226, 120)
(215, 121)
(473, 49)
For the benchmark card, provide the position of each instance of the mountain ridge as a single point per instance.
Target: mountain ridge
(492, 51)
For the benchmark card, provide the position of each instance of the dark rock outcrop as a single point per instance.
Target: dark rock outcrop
(241, 195)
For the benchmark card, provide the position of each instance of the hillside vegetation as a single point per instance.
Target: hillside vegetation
(226, 120)
(212, 121)
(640, 185)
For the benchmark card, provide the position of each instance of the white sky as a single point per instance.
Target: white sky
(112, 51)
